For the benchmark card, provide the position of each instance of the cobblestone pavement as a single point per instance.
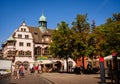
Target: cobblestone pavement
(30, 79)
(59, 78)
(65, 78)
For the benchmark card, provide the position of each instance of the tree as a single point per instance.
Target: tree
(112, 30)
(93, 26)
(108, 35)
(91, 41)
(100, 41)
(82, 28)
(61, 45)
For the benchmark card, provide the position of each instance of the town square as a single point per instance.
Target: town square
(59, 42)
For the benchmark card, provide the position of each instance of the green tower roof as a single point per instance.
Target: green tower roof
(42, 18)
(10, 38)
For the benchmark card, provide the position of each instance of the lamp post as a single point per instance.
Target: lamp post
(102, 70)
(115, 67)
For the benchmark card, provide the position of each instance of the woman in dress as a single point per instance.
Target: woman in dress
(16, 72)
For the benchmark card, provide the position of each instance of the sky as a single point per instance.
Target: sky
(14, 12)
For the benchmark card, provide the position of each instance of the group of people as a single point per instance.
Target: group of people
(18, 71)
(35, 68)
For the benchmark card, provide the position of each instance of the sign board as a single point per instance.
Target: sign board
(5, 64)
(42, 58)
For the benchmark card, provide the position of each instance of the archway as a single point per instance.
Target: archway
(26, 64)
(70, 66)
(18, 63)
(58, 65)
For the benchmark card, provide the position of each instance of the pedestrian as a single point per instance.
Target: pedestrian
(39, 69)
(89, 68)
(16, 72)
(81, 69)
(33, 70)
(36, 69)
(21, 70)
(13, 68)
(30, 68)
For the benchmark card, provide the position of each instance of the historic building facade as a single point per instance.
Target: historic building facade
(29, 45)
(27, 42)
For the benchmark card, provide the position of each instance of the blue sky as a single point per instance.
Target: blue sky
(13, 12)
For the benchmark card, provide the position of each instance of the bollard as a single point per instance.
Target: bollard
(102, 70)
(115, 67)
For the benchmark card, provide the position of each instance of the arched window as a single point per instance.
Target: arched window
(11, 53)
(18, 63)
(21, 53)
(26, 64)
(28, 53)
(21, 29)
(37, 51)
(46, 51)
(24, 29)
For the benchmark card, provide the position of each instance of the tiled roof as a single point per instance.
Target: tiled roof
(48, 32)
(37, 34)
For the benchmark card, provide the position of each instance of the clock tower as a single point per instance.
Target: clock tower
(42, 23)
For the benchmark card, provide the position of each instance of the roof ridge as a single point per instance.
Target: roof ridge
(33, 26)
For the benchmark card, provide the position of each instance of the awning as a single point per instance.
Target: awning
(108, 58)
(42, 58)
(44, 62)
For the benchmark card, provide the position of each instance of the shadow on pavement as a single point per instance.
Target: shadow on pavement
(108, 80)
(106, 83)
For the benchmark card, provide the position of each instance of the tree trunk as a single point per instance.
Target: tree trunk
(83, 62)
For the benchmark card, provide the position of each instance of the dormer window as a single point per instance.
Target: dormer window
(21, 29)
(35, 33)
(24, 29)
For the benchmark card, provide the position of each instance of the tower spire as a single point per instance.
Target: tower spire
(42, 12)
(42, 22)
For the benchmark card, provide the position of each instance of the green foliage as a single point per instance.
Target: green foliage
(79, 41)
(62, 41)
(80, 24)
(108, 35)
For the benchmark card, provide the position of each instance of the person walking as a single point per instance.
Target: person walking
(16, 72)
(21, 70)
(13, 68)
(36, 69)
(30, 68)
(39, 69)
